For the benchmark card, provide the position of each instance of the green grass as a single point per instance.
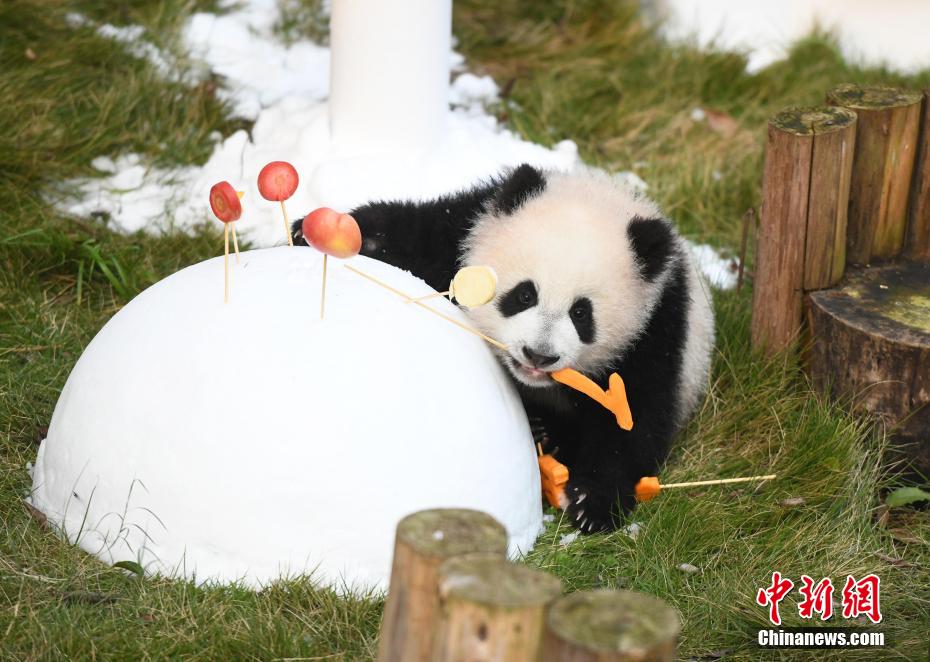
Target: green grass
(585, 70)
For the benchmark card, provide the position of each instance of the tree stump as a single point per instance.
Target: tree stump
(424, 541)
(491, 609)
(871, 345)
(802, 237)
(886, 146)
(610, 626)
(917, 246)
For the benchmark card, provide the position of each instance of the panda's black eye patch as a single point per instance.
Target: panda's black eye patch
(522, 297)
(582, 316)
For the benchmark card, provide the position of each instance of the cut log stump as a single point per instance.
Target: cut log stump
(424, 541)
(491, 609)
(610, 626)
(802, 235)
(917, 246)
(886, 147)
(870, 344)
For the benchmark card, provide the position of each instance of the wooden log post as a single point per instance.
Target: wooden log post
(802, 237)
(610, 626)
(491, 609)
(871, 346)
(886, 146)
(424, 540)
(917, 244)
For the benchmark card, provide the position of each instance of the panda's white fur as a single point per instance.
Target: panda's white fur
(572, 240)
(699, 346)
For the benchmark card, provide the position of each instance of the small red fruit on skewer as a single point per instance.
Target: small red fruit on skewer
(224, 201)
(334, 234)
(277, 181)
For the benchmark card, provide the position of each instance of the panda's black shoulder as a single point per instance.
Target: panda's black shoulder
(503, 194)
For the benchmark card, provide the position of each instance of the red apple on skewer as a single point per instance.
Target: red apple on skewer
(225, 204)
(334, 234)
(277, 181)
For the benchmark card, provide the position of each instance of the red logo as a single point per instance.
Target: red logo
(861, 598)
(773, 595)
(817, 598)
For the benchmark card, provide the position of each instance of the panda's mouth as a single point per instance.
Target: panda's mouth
(531, 376)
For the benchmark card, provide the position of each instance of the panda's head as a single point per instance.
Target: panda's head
(580, 261)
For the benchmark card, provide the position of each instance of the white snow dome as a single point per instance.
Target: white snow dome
(252, 441)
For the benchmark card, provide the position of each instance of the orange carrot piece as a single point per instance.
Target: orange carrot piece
(554, 476)
(613, 399)
(647, 488)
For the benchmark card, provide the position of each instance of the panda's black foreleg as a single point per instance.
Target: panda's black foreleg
(553, 434)
(608, 463)
(406, 235)
(422, 237)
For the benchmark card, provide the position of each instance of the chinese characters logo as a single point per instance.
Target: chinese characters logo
(860, 598)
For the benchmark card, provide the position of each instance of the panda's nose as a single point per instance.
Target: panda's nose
(537, 359)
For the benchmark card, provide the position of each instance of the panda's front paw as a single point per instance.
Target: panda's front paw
(589, 507)
(541, 436)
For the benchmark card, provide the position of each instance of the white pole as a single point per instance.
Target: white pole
(389, 74)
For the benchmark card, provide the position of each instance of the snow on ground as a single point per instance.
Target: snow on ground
(284, 89)
(893, 32)
(719, 271)
(260, 72)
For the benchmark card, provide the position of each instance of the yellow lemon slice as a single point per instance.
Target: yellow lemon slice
(474, 286)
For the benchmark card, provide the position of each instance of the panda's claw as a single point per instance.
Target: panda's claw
(599, 511)
(541, 437)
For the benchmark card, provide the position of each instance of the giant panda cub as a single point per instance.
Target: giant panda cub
(590, 277)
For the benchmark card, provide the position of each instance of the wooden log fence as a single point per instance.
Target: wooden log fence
(456, 597)
(843, 255)
(917, 246)
(886, 146)
(423, 541)
(802, 234)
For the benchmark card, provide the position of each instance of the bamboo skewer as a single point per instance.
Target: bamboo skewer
(226, 263)
(287, 225)
(226, 206)
(422, 305)
(323, 295)
(430, 296)
(719, 481)
(235, 241)
(235, 237)
(649, 487)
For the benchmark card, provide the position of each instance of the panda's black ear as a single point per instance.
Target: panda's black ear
(517, 187)
(652, 242)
